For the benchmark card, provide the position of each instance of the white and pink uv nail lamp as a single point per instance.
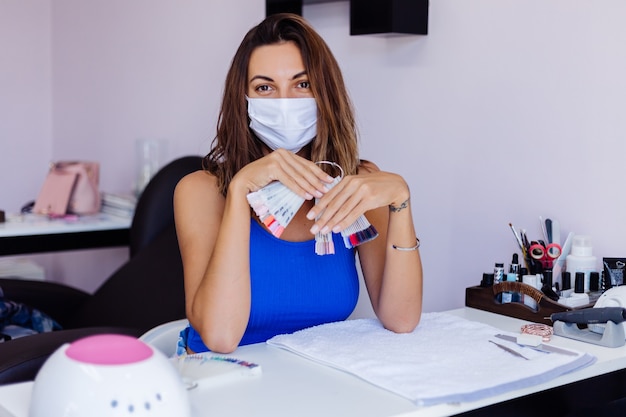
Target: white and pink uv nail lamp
(108, 375)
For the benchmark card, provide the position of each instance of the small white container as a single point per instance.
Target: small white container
(581, 259)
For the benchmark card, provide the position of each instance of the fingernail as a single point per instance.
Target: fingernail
(310, 215)
(318, 194)
(336, 229)
(308, 196)
(314, 229)
(325, 230)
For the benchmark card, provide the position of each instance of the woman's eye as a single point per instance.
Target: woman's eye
(263, 88)
(304, 84)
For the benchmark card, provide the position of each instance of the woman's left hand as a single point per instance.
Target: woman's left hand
(353, 196)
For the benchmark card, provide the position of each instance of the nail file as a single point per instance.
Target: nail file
(567, 247)
(526, 339)
(556, 232)
(509, 349)
(541, 348)
(542, 223)
(517, 350)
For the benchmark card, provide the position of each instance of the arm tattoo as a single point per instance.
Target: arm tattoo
(402, 206)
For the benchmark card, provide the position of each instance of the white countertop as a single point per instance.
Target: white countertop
(34, 224)
(294, 386)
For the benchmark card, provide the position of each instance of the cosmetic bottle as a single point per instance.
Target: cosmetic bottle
(579, 297)
(487, 280)
(566, 283)
(581, 259)
(522, 271)
(594, 287)
(547, 278)
(515, 266)
(498, 273)
(511, 296)
(606, 282)
(579, 283)
(547, 288)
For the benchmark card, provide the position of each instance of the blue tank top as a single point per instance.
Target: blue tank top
(293, 288)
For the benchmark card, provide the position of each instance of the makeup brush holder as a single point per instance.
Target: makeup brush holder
(487, 299)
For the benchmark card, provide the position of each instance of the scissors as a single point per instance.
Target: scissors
(546, 254)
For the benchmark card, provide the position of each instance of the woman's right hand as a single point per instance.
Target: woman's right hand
(298, 174)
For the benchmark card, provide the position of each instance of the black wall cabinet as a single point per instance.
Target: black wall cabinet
(370, 16)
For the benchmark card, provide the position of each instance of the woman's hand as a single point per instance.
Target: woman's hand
(298, 174)
(393, 277)
(353, 196)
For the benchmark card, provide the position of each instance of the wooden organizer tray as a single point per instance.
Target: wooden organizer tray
(485, 298)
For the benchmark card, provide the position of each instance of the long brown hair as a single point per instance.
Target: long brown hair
(235, 145)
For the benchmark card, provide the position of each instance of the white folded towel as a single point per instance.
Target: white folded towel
(446, 359)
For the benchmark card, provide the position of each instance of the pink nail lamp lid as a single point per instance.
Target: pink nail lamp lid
(109, 349)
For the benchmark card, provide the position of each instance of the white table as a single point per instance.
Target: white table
(32, 233)
(293, 386)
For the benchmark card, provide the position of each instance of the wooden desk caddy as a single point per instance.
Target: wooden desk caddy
(486, 298)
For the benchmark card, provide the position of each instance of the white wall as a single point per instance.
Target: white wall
(506, 111)
(128, 70)
(25, 99)
(142, 69)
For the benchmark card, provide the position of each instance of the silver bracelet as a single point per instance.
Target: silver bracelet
(417, 245)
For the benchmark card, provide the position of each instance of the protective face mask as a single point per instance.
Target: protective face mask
(288, 123)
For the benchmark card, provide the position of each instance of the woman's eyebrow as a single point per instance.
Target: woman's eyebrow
(298, 75)
(261, 77)
(266, 78)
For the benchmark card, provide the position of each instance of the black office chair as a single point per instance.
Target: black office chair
(144, 292)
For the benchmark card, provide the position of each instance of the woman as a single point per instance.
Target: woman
(284, 108)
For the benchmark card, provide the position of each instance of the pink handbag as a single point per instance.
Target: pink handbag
(81, 178)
